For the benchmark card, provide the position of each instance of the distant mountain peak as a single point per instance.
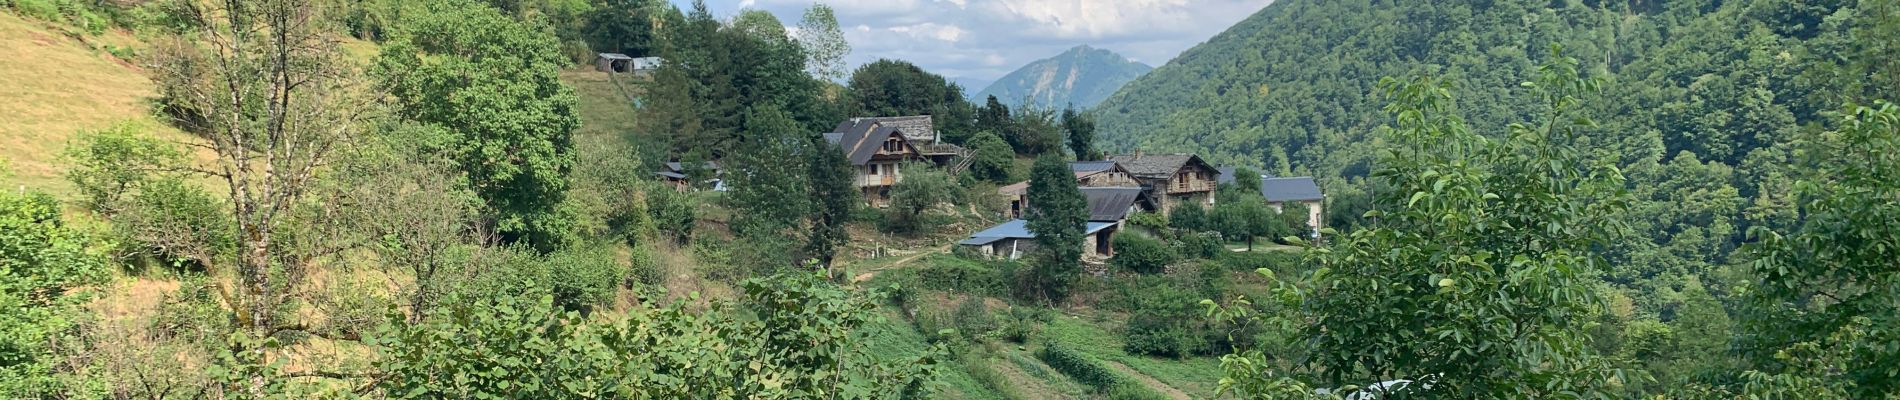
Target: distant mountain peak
(1081, 76)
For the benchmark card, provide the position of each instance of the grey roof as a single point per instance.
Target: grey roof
(834, 137)
(1290, 189)
(1226, 175)
(678, 167)
(615, 56)
(919, 128)
(1091, 166)
(674, 175)
(1156, 166)
(861, 140)
(1019, 229)
(1112, 203)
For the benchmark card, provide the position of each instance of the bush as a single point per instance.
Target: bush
(40, 9)
(1165, 318)
(1140, 254)
(1078, 367)
(645, 269)
(952, 274)
(972, 319)
(1022, 323)
(674, 214)
(1189, 217)
(1280, 262)
(1152, 221)
(1201, 245)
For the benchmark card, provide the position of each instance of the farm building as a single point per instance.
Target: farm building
(1011, 240)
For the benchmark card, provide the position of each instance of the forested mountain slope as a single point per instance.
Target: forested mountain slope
(1292, 86)
(1081, 76)
(1702, 102)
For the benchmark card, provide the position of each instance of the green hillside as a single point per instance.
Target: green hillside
(1081, 76)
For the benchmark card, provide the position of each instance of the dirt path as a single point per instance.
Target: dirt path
(1148, 381)
(867, 275)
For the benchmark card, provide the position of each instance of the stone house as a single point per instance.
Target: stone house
(1171, 179)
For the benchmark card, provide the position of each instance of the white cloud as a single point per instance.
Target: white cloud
(947, 33)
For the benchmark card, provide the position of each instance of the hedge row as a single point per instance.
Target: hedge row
(1103, 380)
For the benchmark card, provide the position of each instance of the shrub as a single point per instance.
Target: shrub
(952, 274)
(1279, 261)
(1022, 323)
(673, 213)
(1198, 245)
(1078, 367)
(1165, 319)
(972, 318)
(40, 9)
(1141, 254)
(582, 278)
(645, 269)
(1189, 217)
(1150, 220)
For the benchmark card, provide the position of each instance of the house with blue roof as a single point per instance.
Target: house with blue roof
(1011, 240)
(1107, 208)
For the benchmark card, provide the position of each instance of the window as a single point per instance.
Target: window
(892, 146)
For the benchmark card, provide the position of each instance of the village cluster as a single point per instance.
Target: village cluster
(1116, 187)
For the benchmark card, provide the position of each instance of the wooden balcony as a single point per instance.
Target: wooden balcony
(1191, 187)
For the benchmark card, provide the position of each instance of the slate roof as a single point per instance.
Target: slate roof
(615, 56)
(861, 140)
(1226, 175)
(918, 128)
(1019, 229)
(1290, 189)
(1156, 166)
(1091, 166)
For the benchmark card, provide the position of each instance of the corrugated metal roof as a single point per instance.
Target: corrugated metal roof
(1019, 229)
(1290, 189)
(1112, 203)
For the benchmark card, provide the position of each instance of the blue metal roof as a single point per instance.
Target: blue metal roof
(1019, 229)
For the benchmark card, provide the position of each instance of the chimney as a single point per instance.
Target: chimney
(1137, 154)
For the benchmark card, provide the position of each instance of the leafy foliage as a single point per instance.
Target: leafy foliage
(1058, 218)
(1456, 285)
(923, 187)
(1141, 254)
(994, 157)
(43, 263)
(1827, 285)
(494, 83)
(793, 336)
(898, 88)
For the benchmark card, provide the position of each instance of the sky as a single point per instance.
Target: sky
(975, 42)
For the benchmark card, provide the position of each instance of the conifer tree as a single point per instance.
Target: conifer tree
(833, 197)
(1057, 215)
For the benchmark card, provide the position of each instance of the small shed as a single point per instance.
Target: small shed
(1011, 240)
(614, 63)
